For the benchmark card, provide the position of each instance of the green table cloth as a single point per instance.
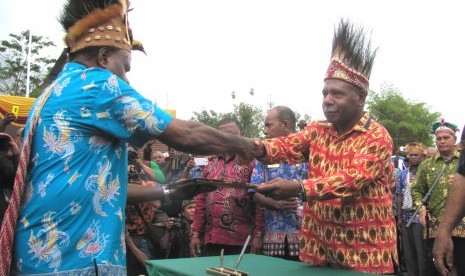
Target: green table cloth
(254, 265)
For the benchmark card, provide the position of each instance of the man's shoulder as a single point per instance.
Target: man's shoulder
(319, 124)
(235, 163)
(375, 131)
(377, 127)
(427, 164)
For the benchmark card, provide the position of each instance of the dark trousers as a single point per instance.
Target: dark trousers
(400, 267)
(144, 243)
(414, 249)
(459, 258)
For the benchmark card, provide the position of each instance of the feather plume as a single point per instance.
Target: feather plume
(351, 46)
(137, 45)
(75, 10)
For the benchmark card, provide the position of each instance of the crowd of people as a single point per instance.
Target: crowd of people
(421, 192)
(84, 193)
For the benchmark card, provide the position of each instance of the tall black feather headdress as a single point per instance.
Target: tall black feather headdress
(351, 57)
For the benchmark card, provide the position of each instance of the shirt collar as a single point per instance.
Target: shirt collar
(437, 156)
(361, 126)
(72, 66)
(222, 156)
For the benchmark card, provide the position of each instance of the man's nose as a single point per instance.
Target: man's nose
(328, 100)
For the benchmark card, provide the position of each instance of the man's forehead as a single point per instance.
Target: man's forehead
(271, 115)
(443, 134)
(335, 84)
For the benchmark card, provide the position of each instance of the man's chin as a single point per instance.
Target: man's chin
(331, 117)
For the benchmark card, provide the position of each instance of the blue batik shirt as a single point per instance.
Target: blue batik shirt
(403, 189)
(279, 223)
(72, 217)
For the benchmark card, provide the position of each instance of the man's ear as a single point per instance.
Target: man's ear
(287, 124)
(362, 97)
(103, 57)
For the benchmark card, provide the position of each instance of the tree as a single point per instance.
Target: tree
(251, 118)
(13, 63)
(210, 118)
(405, 120)
(306, 117)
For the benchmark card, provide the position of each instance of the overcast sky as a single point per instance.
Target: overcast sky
(199, 51)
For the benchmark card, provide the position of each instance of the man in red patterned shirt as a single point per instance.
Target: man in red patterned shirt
(347, 220)
(226, 216)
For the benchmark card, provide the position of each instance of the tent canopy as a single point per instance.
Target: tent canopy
(20, 106)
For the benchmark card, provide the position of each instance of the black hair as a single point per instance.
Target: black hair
(75, 10)
(147, 153)
(230, 120)
(90, 52)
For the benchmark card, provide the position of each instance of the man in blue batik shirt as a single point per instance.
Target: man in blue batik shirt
(71, 218)
(283, 218)
(413, 245)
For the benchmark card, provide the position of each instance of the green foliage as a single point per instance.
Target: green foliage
(210, 118)
(306, 117)
(250, 117)
(13, 63)
(405, 120)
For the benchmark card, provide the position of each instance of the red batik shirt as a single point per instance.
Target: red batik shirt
(134, 223)
(226, 215)
(347, 220)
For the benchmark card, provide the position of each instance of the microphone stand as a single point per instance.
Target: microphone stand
(424, 201)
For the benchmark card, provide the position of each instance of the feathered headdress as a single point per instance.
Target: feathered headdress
(96, 23)
(351, 56)
(443, 126)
